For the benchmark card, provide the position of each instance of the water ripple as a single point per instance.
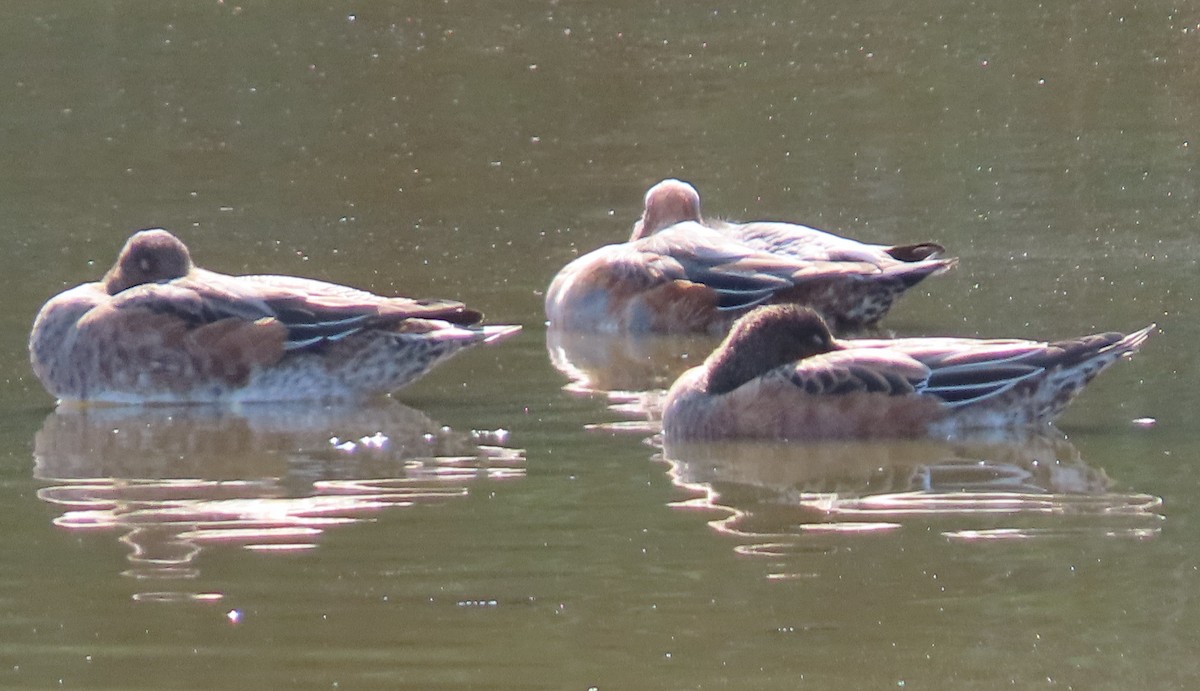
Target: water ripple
(783, 499)
(176, 481)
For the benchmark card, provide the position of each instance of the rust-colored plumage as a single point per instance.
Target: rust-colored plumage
(781, 374)
(680, 274)
(158, 329)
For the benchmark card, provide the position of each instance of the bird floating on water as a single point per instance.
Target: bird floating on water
(681, 274)
(781, 374)
(157, 328)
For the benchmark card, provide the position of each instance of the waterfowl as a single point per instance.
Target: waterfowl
(681, 274)
(156, 328)
(781, 374)
(674, 201)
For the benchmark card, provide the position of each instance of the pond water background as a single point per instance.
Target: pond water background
(511, 529)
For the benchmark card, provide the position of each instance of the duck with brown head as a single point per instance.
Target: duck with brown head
(766, 338)
(781, 375)
(157, 328)
(149, 256)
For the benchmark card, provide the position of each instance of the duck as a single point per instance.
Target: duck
(674, 201)
(781, 374)
(680, 274)
(158, 329)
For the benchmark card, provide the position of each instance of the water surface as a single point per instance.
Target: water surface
(504, 523)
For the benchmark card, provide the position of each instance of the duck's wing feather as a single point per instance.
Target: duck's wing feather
(804, 243)
(811, 244)
(160, 322)
(312, 312)
(739, 274)
(965, 371)
(956, 371)
(857, 371)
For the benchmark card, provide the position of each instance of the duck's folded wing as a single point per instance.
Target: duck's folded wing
(311, 312)
(964, 371)
(161, 321)
(811, 244)
(961, 375)
(739, 274)
(311, 304)
(850, 371)
(803, 243)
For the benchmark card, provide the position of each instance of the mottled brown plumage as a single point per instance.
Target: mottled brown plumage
(157, 328)
(680, 274)
(781, 374)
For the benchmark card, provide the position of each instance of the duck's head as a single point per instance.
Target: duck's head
(764, 339)
(149, 256)
(667, 203)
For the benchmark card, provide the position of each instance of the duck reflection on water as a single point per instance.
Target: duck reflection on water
(173, 480)
(999, 485)
(615, 363)
(607, 362)
(631, 373)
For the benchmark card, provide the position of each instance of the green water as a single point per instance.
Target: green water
(515, 529)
